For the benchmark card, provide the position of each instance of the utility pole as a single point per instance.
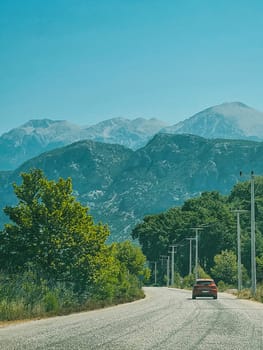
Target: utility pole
(168, 270)
(172, 264)
(155, 273)
(239, 266)
(196, 253)
(196, 229)
(173, 246)
(190, 254)
(167, 258)
(253, 239)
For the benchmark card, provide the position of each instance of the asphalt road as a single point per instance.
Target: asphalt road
(165, 319)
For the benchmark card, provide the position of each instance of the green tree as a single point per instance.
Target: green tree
(53, 232)
(240, 198)
(132, 269)
(218, 225)
(210, 211)
(131, 257)
(225, 267)
(156, 232)
(259, 263)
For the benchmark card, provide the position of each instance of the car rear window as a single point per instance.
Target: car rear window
(206, 283)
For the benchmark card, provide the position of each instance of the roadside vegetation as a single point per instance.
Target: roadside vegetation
(54, 259)
(246, 294)
(214, 215)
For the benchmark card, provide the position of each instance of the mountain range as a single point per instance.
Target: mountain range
(38, 136)
(123, 170)
(121, 186)
(229, 120)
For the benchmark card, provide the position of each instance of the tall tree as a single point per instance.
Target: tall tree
(225, 268)
(130, 256)
(217, 223)
(53, 232)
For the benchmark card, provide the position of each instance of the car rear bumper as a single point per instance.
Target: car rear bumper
(203, 295)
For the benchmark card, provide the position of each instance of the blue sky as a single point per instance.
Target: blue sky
(90, 60)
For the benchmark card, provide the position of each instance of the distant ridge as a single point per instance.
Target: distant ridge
(38, 136)
(121, 186)
(233, 120)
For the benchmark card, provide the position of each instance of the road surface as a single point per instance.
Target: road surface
(165, 319)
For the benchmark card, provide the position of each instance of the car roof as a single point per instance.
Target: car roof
(204, 279)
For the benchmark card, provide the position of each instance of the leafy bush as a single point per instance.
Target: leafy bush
(177, 280)
(188, 281)
(222, 286)
(51, 302)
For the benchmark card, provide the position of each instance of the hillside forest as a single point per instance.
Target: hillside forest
(215, 216)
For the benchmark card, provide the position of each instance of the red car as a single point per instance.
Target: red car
(204, 287)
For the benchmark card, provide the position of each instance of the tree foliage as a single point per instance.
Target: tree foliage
(240, 198)
(133, 270)
(54, 235)
(225, 267)
(259, 264)
(213, 215)
(52, 232)
(130, 256)
(209, 212)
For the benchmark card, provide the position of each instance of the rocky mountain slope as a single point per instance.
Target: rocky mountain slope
(38, 136)
(229, 120)
(121, 186)
(133, 134)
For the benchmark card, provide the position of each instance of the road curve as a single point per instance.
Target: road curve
(165, 319)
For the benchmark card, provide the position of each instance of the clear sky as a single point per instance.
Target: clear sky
(90, 60)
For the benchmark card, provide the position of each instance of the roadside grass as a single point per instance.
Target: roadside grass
(28, 297)
(247, 294)
(19, 310)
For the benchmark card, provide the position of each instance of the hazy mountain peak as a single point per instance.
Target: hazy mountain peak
(248, 120)
(131, 133)
(38, 136)
(40, 123)
(231, 120)
(229, 105)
